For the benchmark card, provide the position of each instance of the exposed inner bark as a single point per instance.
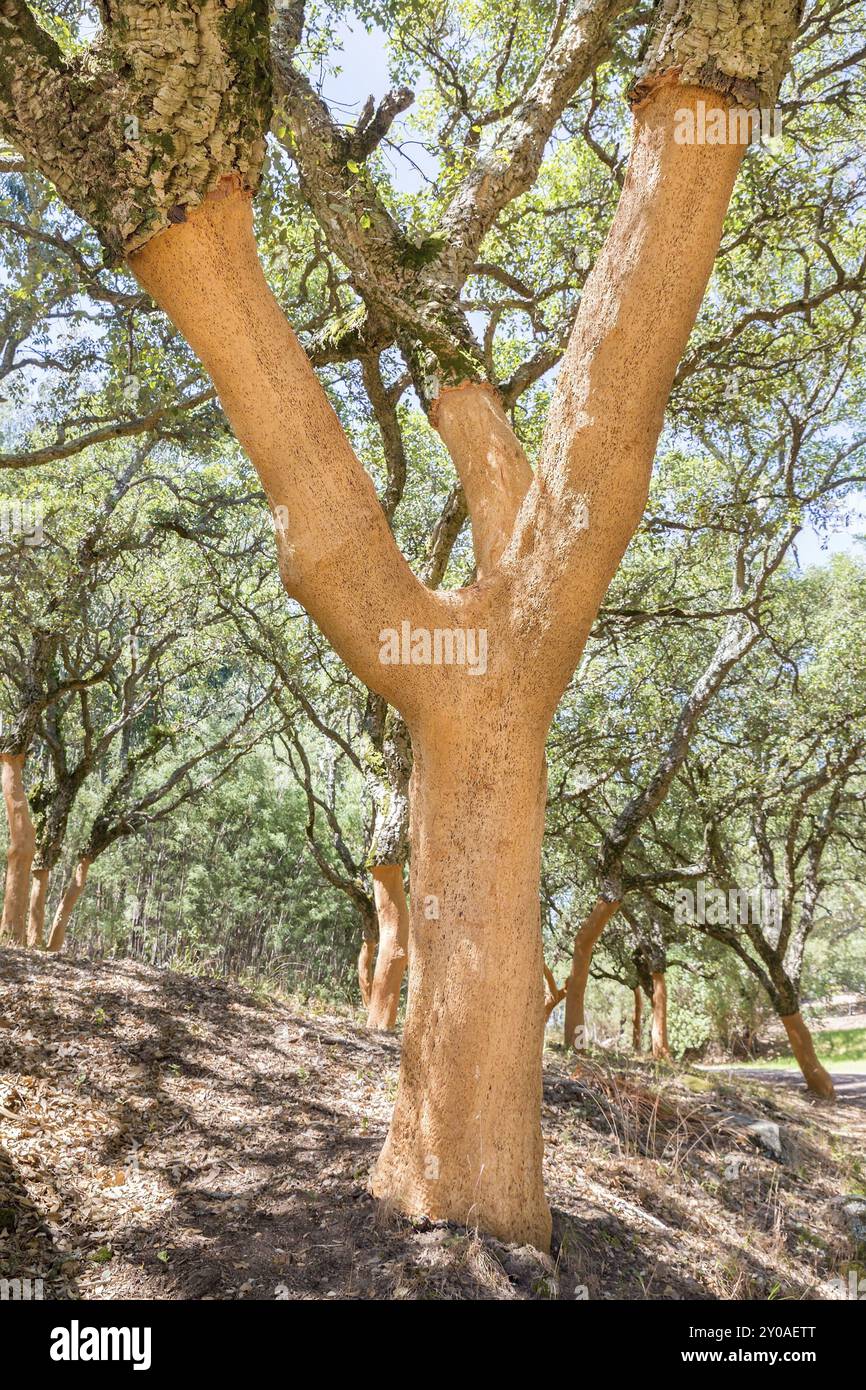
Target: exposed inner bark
(803, 1048)
(366, 966)
(336, 553)
(392, 911)
(660, 1048)
(36, 919)
(22, 846)
(73, 891)
(465, 1141)
(465, 1137)
(492, 466)
(585, 941)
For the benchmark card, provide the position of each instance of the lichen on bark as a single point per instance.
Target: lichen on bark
(740, 48)
(137, 128)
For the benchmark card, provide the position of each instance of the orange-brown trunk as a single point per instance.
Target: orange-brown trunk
(660, 1018)
(22, 846)
(803, 1048)
(36, 918)
(74, 889)
(366, 966)
(584, 944)
(392, 910)
(637, 1018)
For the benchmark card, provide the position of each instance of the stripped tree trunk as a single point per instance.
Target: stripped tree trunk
(22, 846)
(465, 1138)
(464, 1142)
(388, 757)
(73, 891)
(392, 910)
(660, 1048)
(554, 993)
(36, 917)
(584, 944)
(366, 967)
(817, 1077)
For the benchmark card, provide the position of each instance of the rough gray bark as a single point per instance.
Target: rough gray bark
(736, 47)
(387, 758)
(141, 125)
(411, 286)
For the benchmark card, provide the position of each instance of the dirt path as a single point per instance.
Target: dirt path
(850, 1085)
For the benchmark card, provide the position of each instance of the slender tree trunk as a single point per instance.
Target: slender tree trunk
(660, 1017)
(554, 994)
(22, 846)
(74, 889)
(584, 944)
(637, 1019)
(366, 967)
(803, 1048)
(465, 1138)
(36, 918)
(392, 910)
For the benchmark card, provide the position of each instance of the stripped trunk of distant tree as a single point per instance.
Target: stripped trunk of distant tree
(585, 942)
(22, 846)
(660, 1048)
(73, 891)
(389, 762)
(553, 993)
(38, 897)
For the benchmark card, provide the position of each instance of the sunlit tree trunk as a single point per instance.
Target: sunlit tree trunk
(392, 911)
(585, 941)
(817, 1077)
(22, 846)
(36, 918)
(660, 1048)
(366, 967)
(73, 891)
(465, 1138)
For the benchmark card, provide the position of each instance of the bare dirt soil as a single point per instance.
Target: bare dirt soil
(171, 1137)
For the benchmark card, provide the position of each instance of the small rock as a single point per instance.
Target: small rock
(849, 1212)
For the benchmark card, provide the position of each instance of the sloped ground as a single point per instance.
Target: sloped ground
(172, 1137)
